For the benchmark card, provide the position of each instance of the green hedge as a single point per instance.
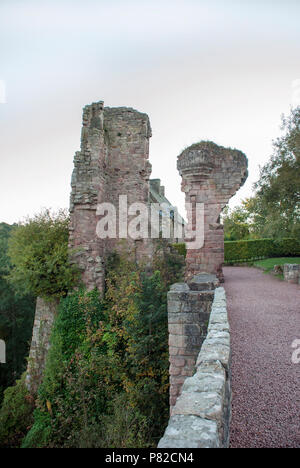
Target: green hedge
(247, 250)
(255, 249)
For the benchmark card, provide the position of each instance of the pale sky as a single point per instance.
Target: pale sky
(201, 69)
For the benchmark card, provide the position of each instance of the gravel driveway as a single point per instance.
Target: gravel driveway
(264, 315)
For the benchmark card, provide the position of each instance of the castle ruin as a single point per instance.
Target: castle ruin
(112, 167)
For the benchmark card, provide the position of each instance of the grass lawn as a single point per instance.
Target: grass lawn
(268, 264)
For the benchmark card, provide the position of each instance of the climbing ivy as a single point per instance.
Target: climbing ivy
(106, 377)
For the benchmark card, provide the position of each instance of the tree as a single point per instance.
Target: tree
(276, 204)
(38, 250)
(16, 319)
(236, 222)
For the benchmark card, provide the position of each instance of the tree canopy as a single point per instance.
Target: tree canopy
(38, 250)
(16, 318)
(274, 209)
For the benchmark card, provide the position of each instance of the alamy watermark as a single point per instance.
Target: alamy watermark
(144, 221)
(2, 352)
(296, 353)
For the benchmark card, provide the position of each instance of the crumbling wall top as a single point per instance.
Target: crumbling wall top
(207, 159)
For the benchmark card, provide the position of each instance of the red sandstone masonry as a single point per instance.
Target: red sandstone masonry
(211, 175)
(188, 314)
(113, 161)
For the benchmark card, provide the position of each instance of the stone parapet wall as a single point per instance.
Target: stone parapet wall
(201, 415)
(189, 307)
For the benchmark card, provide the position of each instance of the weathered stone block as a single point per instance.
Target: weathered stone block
(190, 432)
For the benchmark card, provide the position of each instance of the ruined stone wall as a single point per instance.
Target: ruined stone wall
(211, 175)
(45, 313)
(113, 161)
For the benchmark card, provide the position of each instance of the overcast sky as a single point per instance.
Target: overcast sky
(201, 69)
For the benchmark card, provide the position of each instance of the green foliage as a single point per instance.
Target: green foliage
(16, 319)
(247, 250)
(39, 434)
(39, 253)
(70, 378)
(276, 205)
(268, 264)
(181, 248)
(274, 210)
(236, 223)
(16, 415)
(169, 262)
(286, 247)
(106, 377)
(126, 427)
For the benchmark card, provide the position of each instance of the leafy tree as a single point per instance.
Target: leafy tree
(38, 250)
(236, 222)
(16, 319)
(276, 205)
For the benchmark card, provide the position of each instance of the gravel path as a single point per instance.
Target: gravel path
(264, 315)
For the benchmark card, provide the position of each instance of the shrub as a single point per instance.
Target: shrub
(286, 248)
(71, 373)
(181, 248)
(248, 250)
(16, 415)
(169, 262)
(39, 434)
(106, 379)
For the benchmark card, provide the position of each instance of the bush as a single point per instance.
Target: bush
(72, 376)
(39, 434)
(106, 379)
(181, 248)
(16, 415)
(248, 250)
(286, 248)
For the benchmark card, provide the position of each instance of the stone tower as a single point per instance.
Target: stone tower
(113, 161)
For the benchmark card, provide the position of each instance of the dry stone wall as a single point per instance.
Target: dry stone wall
(291, 273)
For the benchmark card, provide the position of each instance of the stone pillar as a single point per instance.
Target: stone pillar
(44, 317)
(211, 175)
(189, 307)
